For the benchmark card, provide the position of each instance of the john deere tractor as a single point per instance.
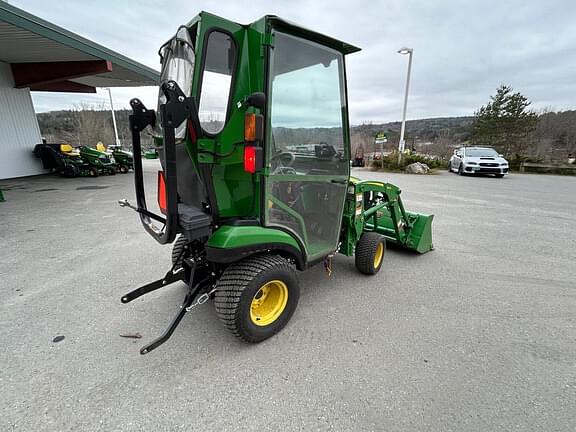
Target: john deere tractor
(253, 135)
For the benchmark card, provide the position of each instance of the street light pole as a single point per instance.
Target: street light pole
(402, 143)
(113, 118)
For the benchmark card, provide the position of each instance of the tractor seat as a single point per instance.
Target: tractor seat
(68, 150)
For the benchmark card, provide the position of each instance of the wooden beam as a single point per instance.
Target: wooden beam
(64, 86)
(34, 74)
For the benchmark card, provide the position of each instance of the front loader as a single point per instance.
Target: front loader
(252, 132)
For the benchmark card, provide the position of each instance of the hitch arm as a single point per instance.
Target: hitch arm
(191, 295)
(170, 277)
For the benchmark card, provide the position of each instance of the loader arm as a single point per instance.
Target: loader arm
(377, 206)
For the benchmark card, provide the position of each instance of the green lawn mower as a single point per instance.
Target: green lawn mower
(254, 144)
(99, 161)
(123, 159)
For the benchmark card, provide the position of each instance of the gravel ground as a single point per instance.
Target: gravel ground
(478, 335)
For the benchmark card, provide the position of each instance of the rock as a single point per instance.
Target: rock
(417, 168)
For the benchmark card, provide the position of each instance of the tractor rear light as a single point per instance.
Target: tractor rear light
(161, 192)
(250, 159)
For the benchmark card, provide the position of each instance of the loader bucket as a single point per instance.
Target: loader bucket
(420, 235)
(417, 237)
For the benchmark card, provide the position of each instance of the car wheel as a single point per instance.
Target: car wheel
(499, 175)
(449, 167)
(461, 170)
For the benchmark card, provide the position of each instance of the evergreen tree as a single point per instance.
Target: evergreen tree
(504, 122)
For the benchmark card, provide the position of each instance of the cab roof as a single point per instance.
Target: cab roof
(291, 27)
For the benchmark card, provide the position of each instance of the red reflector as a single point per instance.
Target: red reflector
(161, 192)
(250, 159)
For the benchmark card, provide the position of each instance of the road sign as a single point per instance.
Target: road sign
(381, 138)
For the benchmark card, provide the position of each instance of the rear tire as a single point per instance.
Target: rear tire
(93, 172)
(370, 252)
(257, 296)
(70, 171)
(123, 169)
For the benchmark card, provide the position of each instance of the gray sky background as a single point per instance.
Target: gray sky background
(462, 50)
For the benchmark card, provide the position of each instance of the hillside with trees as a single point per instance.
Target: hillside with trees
(505, 122)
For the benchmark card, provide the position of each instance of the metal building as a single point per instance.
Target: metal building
(36, 55)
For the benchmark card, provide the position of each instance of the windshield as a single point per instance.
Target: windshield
(307, 97)
(481, 152)
(177, 58)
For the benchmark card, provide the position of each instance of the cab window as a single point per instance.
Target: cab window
(220, 57)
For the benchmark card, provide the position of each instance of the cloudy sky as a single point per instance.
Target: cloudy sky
(462, 50)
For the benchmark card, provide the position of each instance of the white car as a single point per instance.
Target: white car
(478, 160)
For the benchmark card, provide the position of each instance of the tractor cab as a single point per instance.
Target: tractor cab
(266, 147)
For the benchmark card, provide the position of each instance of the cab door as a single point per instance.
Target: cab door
(307, 143)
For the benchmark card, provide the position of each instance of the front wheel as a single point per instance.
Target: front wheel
(257, 296)
(499, 175)
(123, 169)
(370, 253)
(461, 170)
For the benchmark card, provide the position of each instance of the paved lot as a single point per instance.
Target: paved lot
(479, 335)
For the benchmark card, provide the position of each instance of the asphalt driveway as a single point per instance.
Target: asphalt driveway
(478, 335)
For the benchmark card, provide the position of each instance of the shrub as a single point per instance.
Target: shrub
(390, 161)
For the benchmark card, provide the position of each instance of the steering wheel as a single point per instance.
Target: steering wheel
(282, 159)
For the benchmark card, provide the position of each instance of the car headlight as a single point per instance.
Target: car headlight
(504, 164)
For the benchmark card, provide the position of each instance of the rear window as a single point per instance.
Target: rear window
(219, 64)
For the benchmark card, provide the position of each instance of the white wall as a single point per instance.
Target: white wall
(19, 130)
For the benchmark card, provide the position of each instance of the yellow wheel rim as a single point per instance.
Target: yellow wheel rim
(269, 303)
(378, 255)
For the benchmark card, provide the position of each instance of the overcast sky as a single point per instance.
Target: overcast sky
(462, 50)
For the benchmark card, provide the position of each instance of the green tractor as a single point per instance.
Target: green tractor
(254, 144)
